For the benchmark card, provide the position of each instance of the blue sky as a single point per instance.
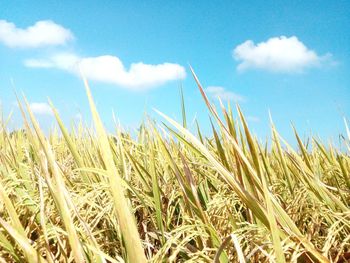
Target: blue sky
(289, 57)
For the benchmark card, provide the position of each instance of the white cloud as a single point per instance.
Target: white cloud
(223, 94)
(40, 108)
(78, 116)
(42, 33)
(277, 54)
(110, 69)
(38, 63)
(252, 119)
(63, 61)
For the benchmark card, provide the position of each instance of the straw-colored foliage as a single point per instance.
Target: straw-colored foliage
(168, 194)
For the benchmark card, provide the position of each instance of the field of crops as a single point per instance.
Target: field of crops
(171, 195)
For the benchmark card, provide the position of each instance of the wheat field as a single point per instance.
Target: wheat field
(168, 194)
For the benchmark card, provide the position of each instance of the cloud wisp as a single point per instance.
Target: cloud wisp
(277, 54)
(111, 70)
(220, 92)
(252, 119)
(42, 33)
(40, 108)
(64, 61)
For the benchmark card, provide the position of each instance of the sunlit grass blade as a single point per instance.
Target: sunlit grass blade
(237, 246)
(347, 129)
(126, 220)
(183, 109)
(59, 192)
(32, 255)
(71, 145)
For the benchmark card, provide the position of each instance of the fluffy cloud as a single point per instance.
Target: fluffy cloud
(223, 94)
(42, 33)
(41, 108)
(252, 119)
(277, 54)
(110, 69)
(64, 61)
